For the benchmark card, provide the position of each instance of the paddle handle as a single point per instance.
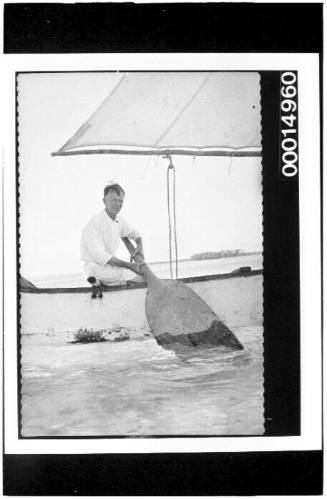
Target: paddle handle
(131, 248)
(146, 271)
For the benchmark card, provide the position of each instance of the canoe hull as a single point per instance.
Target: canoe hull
(236, 300)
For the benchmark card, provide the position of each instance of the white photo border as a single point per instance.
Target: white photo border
(307, 66)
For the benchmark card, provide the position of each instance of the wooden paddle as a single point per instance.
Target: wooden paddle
(177, 315)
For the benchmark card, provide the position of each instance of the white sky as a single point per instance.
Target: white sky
(219, 202)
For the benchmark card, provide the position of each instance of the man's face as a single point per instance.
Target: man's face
(113, 202)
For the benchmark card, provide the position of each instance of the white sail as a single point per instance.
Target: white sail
(209, 113)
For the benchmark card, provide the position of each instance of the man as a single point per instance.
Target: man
(101, 238)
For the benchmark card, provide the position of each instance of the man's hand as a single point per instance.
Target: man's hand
(116, 262)
(135, 268)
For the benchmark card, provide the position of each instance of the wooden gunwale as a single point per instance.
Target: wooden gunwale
(138, 285)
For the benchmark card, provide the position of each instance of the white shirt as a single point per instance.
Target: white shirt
(101, 237)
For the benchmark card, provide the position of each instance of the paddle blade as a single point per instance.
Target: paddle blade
(177, 315)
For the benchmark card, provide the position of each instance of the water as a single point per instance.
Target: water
(186, 268)
(137, 388)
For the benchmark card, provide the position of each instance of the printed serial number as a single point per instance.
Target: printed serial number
(289, 125)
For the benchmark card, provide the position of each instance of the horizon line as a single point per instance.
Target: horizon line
(150, 263)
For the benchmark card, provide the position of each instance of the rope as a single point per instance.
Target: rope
(175, 229)
(172, 169)
(230, 162)
(169, 223)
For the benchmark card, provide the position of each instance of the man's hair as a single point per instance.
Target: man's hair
(114, 188)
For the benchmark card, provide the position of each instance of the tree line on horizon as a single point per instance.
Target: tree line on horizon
(206, 255)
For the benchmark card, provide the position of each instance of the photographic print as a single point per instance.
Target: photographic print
(140, 261)
(162, 249)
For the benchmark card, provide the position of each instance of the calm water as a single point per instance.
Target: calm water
(186, 268)
(137, 388)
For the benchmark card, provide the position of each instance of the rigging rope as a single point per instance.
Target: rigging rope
(171, 168)
(169, 224)
(175, 228)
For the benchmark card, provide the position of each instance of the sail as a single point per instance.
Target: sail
(209, 113)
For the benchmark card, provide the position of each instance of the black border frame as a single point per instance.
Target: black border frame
(161, 27)
(165, 474)
(59, 28)
(281, 272)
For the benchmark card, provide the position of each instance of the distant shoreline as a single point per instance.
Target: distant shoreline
(245, 253)
(75, 274)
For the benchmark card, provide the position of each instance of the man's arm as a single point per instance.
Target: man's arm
(130, 232)
(139, 248)
(127, 265)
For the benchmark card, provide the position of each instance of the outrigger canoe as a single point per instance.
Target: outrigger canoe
(236, 296)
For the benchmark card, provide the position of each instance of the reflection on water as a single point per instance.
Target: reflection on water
(138, 388)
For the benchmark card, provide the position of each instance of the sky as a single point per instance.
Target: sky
(218, 199)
